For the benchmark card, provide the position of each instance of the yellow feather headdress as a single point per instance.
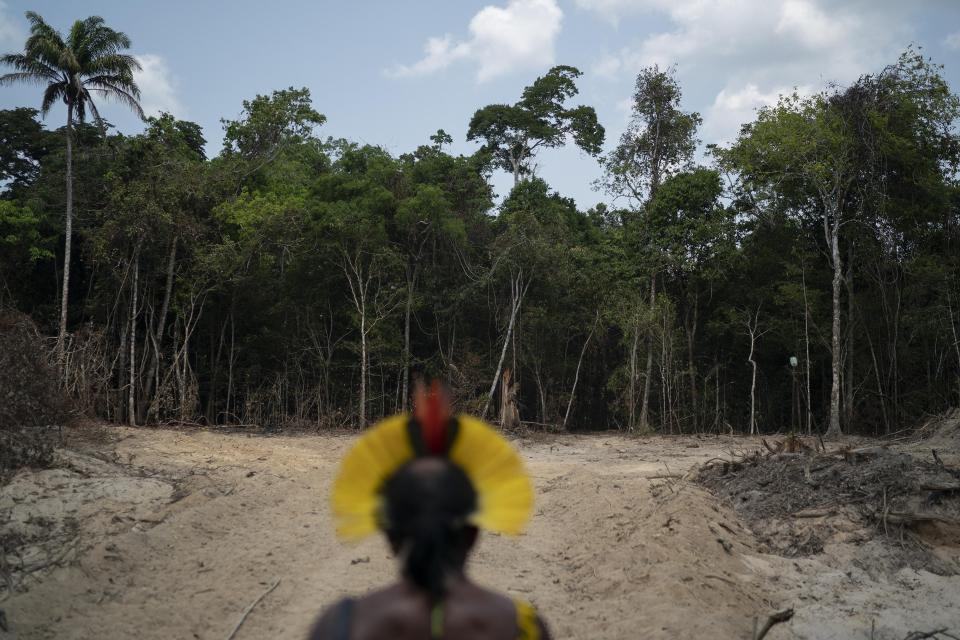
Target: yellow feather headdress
(504, 491)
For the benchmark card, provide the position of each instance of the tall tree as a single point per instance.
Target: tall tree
(422, 219)
(89, 60)
(693, 237)
(807, 151)
(854, 164)
(512, 134)
(659, 141)
(151, 194)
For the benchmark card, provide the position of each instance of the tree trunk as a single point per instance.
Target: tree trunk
(230, 359)
(68, 238)
(515, 307)
(541, 391)
(184, 373)
(752, 330)
(806, 338)
(666, 375)
(848, 399)
(411, 285)
(153, 372)
(359, 278)
(131, 397)
(880, 393)
(363, 364)
(632, 388)
(509, 416)
(691, 338)
(645, 406)
(834, 429)
(576, 376)
(895, 353)
(956, 339)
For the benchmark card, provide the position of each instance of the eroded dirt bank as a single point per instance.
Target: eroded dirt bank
(172, 534)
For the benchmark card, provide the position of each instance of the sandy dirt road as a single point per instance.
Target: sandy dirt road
(174, 533)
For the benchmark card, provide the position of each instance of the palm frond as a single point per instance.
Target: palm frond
(114, 82)
(120, 94)
(80, 107)
(69, 62)
(78, 33)
(102, 41)
(55, 91)
(124, 81)
(39, 27)
(44, 43)
(114, 63)
(45, 49)
(21, 76)
(30, 66)
(95, 113)
(90, 58)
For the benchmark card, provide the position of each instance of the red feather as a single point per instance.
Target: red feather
(432, 411)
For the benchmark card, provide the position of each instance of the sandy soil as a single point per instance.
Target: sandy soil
(173, 534)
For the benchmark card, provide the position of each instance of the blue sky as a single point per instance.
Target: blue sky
(391, 73)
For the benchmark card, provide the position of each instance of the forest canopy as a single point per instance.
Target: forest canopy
(804, 277)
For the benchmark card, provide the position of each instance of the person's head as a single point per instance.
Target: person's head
(429, 480)
(428, 502)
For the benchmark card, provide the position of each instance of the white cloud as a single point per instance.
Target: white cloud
(608, 66)
(440, 54)
(952, 41)
(733, 107)
(157, 90)
(613, 10)
(11, 38)
(740, 54)
(807, 23)
(520, 35)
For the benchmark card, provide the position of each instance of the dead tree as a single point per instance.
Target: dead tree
(752, 323)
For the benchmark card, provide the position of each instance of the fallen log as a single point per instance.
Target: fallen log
(894, 517)
(772, 621)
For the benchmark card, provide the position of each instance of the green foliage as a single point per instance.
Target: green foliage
(286, 277)
(688, 224)
(512, 134)
(659, 141)
(21, 236)
(89, 59)
(23, 144)
(268, 123)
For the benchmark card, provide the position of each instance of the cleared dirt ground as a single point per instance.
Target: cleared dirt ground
(173, 534)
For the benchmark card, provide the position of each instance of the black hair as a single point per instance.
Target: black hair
(428, 502)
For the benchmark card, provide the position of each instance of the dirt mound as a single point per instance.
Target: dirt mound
(201, 523)
(32, 407)
(42, 513)
(799, 502)
(942, 431)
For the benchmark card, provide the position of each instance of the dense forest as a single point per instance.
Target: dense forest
(804, 277)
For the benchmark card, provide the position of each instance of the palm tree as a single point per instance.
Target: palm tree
(88, 61)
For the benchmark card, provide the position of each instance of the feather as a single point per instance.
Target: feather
(432, 413)
(504, 490)
(495, 469)
(356, 489)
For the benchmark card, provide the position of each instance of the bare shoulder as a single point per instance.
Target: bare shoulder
(512, 612)
(544, 630)
(488, 597)
(531, 625)
(400, 612)
(330, 624)
(338, 620)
